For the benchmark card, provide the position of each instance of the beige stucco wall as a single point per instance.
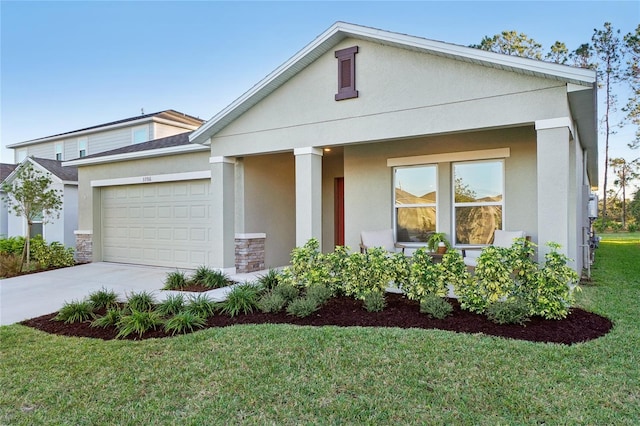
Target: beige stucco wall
(89, 216)
(369, 181)
(269, 204)
(402, 93)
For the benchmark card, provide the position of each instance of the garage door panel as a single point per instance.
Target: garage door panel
(164, 224)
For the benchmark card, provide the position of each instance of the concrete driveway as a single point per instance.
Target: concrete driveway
(30, 296)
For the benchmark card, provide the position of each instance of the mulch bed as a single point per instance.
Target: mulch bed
(579, 326)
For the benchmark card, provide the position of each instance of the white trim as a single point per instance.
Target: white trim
(308, 150)
(180, 149)
(83, 232)
(251, 236)
(135, 180)
(225, 160)
(484, 154)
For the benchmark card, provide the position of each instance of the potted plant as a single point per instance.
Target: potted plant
(438, 242)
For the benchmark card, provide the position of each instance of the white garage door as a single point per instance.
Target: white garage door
(160, 224)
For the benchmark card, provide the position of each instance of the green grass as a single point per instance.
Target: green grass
(286, 375)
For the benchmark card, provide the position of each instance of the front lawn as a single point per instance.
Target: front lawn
(283, 374)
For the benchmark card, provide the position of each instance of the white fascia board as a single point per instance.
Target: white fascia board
(135, 180)
(342, 30)
(181, 149)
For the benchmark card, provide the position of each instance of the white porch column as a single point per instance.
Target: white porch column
(308, 195)
(554, 184)
(223, 213)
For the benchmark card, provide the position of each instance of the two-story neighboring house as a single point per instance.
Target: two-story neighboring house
(48, 153)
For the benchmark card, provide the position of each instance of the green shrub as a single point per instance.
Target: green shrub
(103, 298)
(243, 298)
(269, 280)
(12, 245)
(425, 278)
(286, 291)
(632, 227)
(175, 280)
(319, 293)
(308, 267)
(138, 322)
(54, 255)
(511, 311)
(551, 293)
(374, 301)
(173, 304)
(435, 306)
(302, 307)
(184, 322)
(75, 311)
(368, 272)
(216, 279)
(271, 302)
(142, 301)
(201, 305)
(210, 278)
(109, 319)
(10, 265)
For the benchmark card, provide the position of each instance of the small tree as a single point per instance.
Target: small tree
(29, 195)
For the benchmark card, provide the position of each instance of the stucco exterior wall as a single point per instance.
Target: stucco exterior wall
(402, 94)
(369, 181)
(269, 204)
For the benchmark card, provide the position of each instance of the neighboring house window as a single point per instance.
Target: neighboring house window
(478, 188)
(37, 227)
(21, 155)
(346, 73)
(140, 134)
(82, 147)
(58, 150)
(415, 199)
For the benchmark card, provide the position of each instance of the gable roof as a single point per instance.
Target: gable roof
(164, 146)
(5, 170)
(168, 115)
(67, 175)
(342, 30)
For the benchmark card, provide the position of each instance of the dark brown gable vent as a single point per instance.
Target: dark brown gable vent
(347, 73)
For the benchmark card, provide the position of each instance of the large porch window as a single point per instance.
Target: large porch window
(478, 188)
(415, 197)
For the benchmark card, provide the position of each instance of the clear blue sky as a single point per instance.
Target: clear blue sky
(69, 65)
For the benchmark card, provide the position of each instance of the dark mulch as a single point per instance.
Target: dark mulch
(579, 326)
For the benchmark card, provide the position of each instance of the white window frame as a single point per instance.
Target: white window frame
(449, 159)
(58, 148)
(137, 129)
(83, 144)
(455, 204)
(395, 206)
